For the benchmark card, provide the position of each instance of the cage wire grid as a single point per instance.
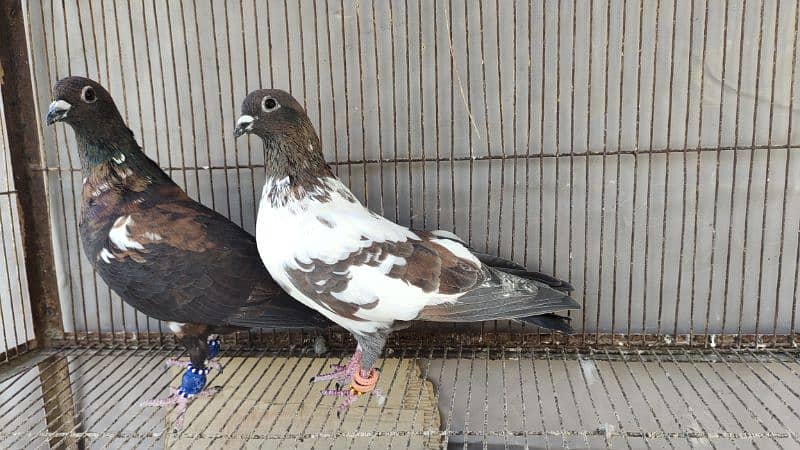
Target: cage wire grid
(581, 399)
(642, 150)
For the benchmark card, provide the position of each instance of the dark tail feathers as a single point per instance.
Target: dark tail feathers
(553, 282)
(550, 321)
(513, 268)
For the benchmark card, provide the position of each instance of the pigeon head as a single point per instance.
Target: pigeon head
(271, 113)
(289, 138)
(82, 103)
(88, 108)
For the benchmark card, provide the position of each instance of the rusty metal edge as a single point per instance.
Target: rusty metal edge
(464, 339)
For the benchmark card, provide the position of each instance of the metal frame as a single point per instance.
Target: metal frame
(705, 373)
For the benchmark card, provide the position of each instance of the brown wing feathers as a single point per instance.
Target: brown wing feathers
(421, 263)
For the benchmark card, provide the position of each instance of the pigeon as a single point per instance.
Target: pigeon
(163, 253)
(362, 271)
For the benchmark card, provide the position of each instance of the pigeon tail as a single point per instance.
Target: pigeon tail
(553, 282)
(508, 266)
(504, 296)
(551, 322)
(513, 268)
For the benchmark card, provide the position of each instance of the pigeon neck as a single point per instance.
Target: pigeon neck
(300, 163)
(121, 151)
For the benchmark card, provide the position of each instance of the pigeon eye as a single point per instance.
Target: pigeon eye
(269, 104)
(88, 95)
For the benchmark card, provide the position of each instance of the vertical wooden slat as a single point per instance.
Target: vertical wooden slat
(26, 161)
(59, 401)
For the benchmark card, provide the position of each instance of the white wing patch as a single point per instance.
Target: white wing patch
(106, 256)
(103, 187)
(457, 249)
(121, 237)
(447, 235)
(154, 237)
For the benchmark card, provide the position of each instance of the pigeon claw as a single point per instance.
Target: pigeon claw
(339, 372)
(181, 403)
(348, 396)
(213, 364)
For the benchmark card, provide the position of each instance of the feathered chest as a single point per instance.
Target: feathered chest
(327, 224)
(110, 190)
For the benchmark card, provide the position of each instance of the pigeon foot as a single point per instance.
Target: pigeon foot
(362, 384)
(192, 384)
(181, 403)
(341, 373)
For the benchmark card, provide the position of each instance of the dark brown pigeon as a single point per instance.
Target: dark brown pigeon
(165, 254)
(362, 271)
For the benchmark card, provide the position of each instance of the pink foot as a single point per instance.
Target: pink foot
(348, 397)
(171, 362)
(341, 372)
(181, 403)
(362, 384)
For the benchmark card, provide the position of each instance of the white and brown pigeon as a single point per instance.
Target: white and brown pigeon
(165, 254)
(360, 270)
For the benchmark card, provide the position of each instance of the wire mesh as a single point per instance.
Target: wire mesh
(547, 398)
(642, 150)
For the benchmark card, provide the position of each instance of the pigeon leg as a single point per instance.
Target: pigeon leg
(213, 344)
(341, 372)
(192, 384)
(170, 362)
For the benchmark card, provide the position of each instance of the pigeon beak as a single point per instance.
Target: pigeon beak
(244, 125)
(58, 111)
